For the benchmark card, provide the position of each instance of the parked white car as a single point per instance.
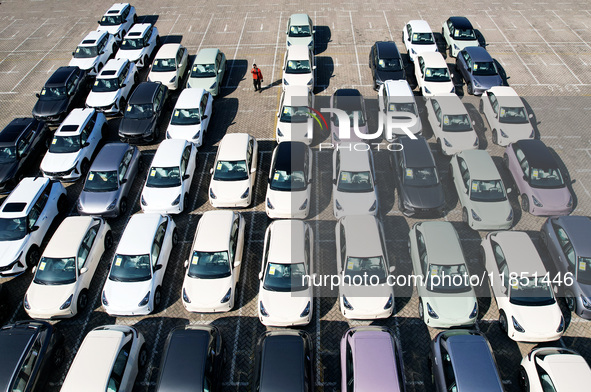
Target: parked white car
(433, 76)
(290, 182)
(139, 44)
(208, 70)
(451, 124)
(94, 51)
(285, 294)
(458, 34)
(361, 252)
(74, 145)
(191, 116)
(25, 217)
(169, 65)
(169, 178)
(60, 286)
(300, 31)
(418, 38)
(528, 310)
(118, 20)
(354, 188)
(108, 359)
(506, 115)
(213, 268)
(299, 67)
(293, 118)
(134, 283)
(234, 172)
(112, 87)
(397, 102)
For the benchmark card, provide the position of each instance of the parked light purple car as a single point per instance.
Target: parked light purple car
(371, 360)
(536, 173)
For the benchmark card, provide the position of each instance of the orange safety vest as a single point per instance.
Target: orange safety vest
(256, 73)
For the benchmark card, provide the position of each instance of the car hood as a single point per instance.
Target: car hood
(132, 126)
(389, 75)
(439, 87)
(130, 54)
(157, 198)
(83, 63)
(7, 171)
(113, 30)
(516, 131)
(460, 140)
(126, 295)
(204, 83)
(162, 77)
(284, 305)
(183, 131)
(50, 107)
(206, 293)
(465, 43)
(48, 297)
(102, 99)
(298, 79)
(299, 41)
(355, 203)
(403, 118)
(585, 289)
(229, 190)
(97, 201)
(538, 319)
(456, 306)
(287, 201)
(552, 198)
(59, 162)
(492, 212)
(368, 299)
(488, 81)
(295, 131)
(9, 250)
(424, 48)
(423, 197)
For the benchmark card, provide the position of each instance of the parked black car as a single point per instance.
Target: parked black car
(21, 142)
(283, 362)
(192, 360)
(67, 87)
(385, 63)
(417, 181)
(29, 351)
(140, 119)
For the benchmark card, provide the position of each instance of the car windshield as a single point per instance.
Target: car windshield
(164, 65)
(7, 154)
(111, 20)
(546, 178)
(516, 115)
(355, 182)
(584, 270)
(13, 229)
(437, 75)
(360, 115)
(487, 190)
(390, 65)
(164, 177)
(285, 277)
(424, 176)
(298, 67)
(422, 38)
(447, 278)
(53, 93)
(139, 111)
(464, 34)
(203, 71)
(487, 68)
(531, 291)
(131, 268)
(288, 181)
(294, 114)
(186, 117)
(456, 123)
(56, 271)
(101, 181)
(366, 266)
(64, 144)
(300, 31)
(105, 85)
(85, 52)
(407, 107)
(132, 43)
(230, 171)
(209, 265)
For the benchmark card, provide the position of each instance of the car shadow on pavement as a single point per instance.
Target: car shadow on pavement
(569, 181)
(235, 72)
(322, 36)
(479, 125)
(171, 39)
(148, 19)
(324, 72)
(533, 119)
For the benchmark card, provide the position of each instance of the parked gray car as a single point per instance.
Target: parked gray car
(478, 70)
(462, 360)
(567, 240)
(109, 180)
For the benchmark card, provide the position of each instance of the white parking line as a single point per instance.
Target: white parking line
(388, 24)
(236, 51)
(25, 40)
(355, 45)
(205, 33)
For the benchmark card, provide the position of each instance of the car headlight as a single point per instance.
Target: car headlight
(26, 303)
(79, 205)
(346, 303)
(447, 144)
(288, 43)
(304, 205)
(570, 202)
(389, 303)
(211, 194)
(177, 200)
(145, 300)
(143, 201)
(453, 90)
(561, 325)
(373, 206)
(476, 83)
(109, 207)
(503, 134)
(456, 47)
(186, 297)
(532, 134)
(285, 82)
(269, 204)
(227, 296)
(196, 136)
(68, 302)
(516, 325)
(510, 217)
(536, 201)
(474, 311)
(263, 310)
(172, 80)
(475, 216)
(279, 133)
(586, 302)
(104, 299)
(412, 51)
(336, 137)
(213, 85)
(338, 205)
(427, 90)
(306, 311)
(476, 142)
(245, 194)
(431, 312)
(310, 82)
(148, 79)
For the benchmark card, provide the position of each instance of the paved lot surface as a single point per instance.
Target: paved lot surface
(543, 47)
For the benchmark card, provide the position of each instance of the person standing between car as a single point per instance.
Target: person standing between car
(257, 77)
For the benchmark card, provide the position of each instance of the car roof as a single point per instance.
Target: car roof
(450, 103)
(480, 165)
(206, 56)
(387, 50)
(109, 157)
(416, 152)
(473, 363)
(61, 76)
(167, 51)
(282, 362)
(144, 93)
(118, 7)
(433, 60)
(299, 19)
(538, 155)
(25, 193)
(568, 372)
(287, 241)
(420, 26)
(506, 96)
(461, 22)
(291, 156)
(295, 95)
(139, 234)
(183, 365)
(478, 53)
(169, 153)
(298, 52)
(189, 98)
(233, 146)
(362, 236)
(520, 252)
(442, 243)
(15, 129)
(15, 341)
(66, 240)
(577, 229)
(92, 38)
(350, 99)
(140, 28)
(72, 125)
(214, 230)
(354, 160)
(112, 65)
(398, 90)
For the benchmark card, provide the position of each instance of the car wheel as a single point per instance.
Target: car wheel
(142, 357)
(145, 61)
(524, 203)
(123, 206)
(465, 216)
(421, 310)
(98, 69)
(495, 136)
(481, 107)
(157, 298)
(185, 201)
(61, 204)
(503, 322)
(570, 301)
(506, 160)
(523, 379)
(82, 301)
(33, 256)
(58, 356)
(108, 240)
(175, 238)
(470, 88)
(84, 167)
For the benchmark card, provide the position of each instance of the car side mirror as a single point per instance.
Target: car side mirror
(123, 181)
(392, 269)
(186, 177)
(86, 144)
(219, 71)
(124, 85)
(314, 67)
(186, 264)
(158, 267)
(253, 170)
(524, 177)
(34, 269)
(34, 228)
(473, 123)
(261, 275)
(98, 21)
(531, 115)
(334, 181)
(509, 190)
(211, 171)
(204, 117)
(503, 290)
(237, 263)
(277, 114)
(37, 95)
(73, 53)
(83, 270)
